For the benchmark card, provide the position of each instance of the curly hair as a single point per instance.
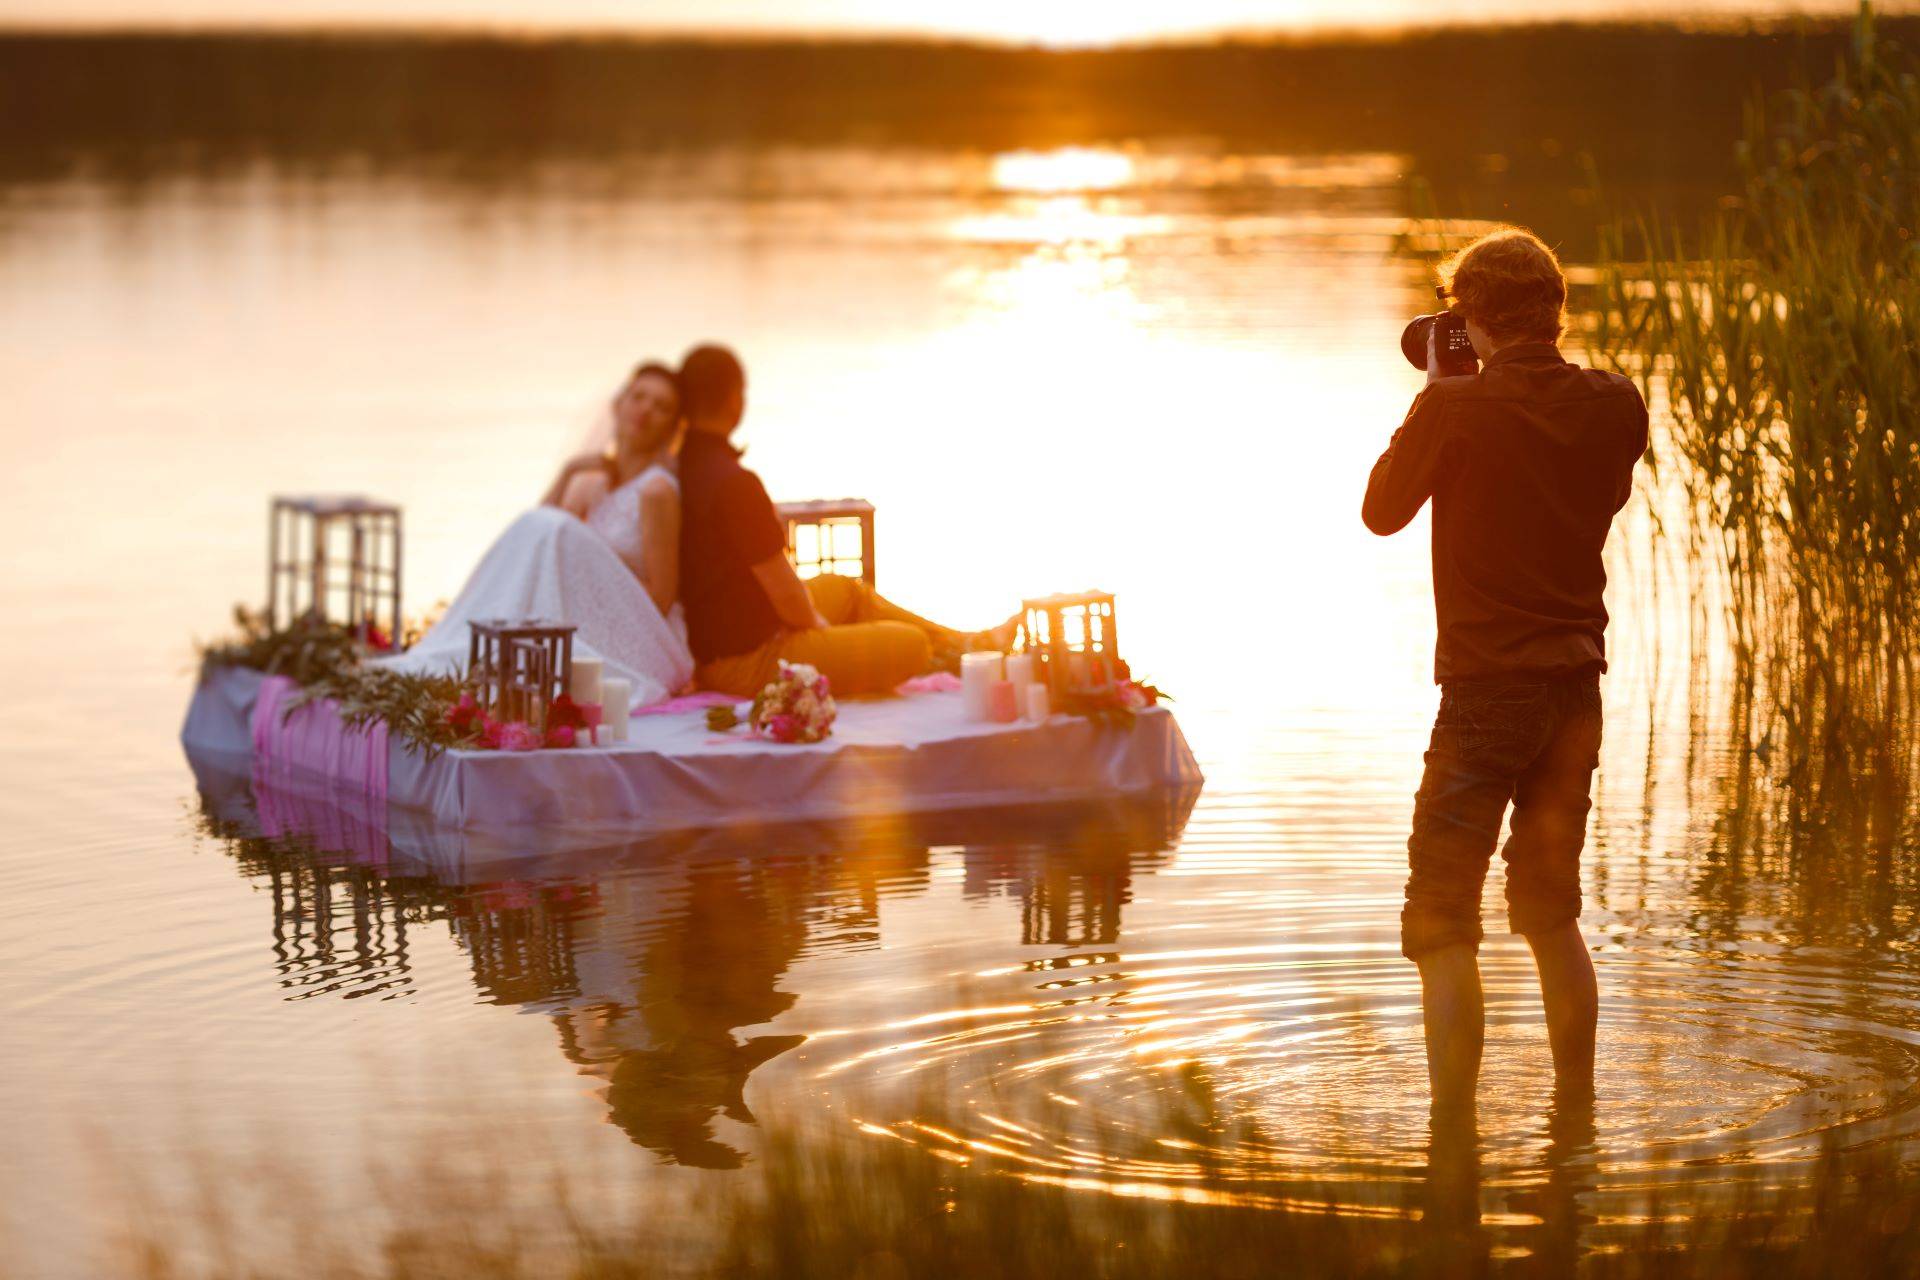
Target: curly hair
(1510, 284)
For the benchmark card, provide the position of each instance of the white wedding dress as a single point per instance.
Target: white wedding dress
(551, 565)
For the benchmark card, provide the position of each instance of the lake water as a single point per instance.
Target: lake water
(1162, 368)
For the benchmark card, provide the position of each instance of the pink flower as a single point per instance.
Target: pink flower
(490, 733)
(517, 735)
(1133, 696)
(794, 708)
(464, 716)
(563, 711)
(561, 735)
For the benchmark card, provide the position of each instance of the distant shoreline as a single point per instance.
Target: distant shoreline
(1528, 122)
(1784, 21)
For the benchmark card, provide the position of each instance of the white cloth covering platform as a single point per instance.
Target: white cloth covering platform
(889, 756)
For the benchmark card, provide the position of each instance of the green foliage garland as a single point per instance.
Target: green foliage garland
(328, 662)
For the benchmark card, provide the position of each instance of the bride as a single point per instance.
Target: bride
(601, 551)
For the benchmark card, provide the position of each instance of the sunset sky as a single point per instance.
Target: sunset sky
(1061, 22)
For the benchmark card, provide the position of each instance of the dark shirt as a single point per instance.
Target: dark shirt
(1527, 462)
(727, 525)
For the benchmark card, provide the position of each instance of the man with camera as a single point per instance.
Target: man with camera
(1526, 461)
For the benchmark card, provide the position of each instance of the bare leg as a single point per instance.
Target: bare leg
(1572, 999)
(1454, 1014)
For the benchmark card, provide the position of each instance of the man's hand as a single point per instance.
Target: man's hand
(1433, 353)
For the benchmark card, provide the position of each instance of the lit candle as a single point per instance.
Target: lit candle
(978, 671)
(1020, 670)
(616, 702)
(586, 686)
(1003, 702)
(1038, 706)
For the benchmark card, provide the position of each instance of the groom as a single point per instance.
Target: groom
(747, 610)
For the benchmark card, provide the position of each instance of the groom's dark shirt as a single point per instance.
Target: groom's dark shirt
(727, 525)
(1526, 463)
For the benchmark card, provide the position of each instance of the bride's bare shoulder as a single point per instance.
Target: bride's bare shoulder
(660, 485)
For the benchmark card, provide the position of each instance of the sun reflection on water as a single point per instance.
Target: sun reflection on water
(1063, 169)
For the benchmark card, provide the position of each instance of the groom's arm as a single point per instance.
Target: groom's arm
(787, 593)
(760, 538)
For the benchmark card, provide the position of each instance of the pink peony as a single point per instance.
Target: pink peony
(782, 727)
(561, 735)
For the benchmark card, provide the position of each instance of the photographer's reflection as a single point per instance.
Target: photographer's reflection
(1571, 1167)
(1544, 1212)
(1450, 1212)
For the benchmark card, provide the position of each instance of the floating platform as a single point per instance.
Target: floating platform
(887, 758)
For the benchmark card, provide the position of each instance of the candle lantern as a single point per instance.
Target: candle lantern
(336, 559)
(1075, 638)
(518, 668)
(833, 535)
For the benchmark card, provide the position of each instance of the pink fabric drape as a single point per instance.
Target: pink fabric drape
(314, 739)
(316, 778)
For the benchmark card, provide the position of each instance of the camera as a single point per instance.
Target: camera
(1451, 343)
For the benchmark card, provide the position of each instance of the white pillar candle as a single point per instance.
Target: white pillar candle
(978, 671)
(1020, 670)
(587, 687)
(616, 696)
(1038, 706)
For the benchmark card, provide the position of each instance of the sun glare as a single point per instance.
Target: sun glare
(1061, 170)
(1071, 24)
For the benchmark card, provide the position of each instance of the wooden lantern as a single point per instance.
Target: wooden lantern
(832, 535)
(336, 559)
(1076, 639)
(518, 668)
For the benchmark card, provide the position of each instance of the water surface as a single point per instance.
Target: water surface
(1161, 367)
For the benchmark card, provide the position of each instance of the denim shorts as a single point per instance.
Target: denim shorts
(1534, 742)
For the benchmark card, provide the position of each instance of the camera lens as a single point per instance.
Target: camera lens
(1413, 341)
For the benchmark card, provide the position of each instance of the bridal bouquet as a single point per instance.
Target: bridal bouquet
(796, 707)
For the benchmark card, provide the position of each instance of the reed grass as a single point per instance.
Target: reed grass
(1782, 338)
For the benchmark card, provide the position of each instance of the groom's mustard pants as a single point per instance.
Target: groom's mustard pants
(869, 646)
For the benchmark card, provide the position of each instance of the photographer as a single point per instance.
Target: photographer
(1526, 462)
